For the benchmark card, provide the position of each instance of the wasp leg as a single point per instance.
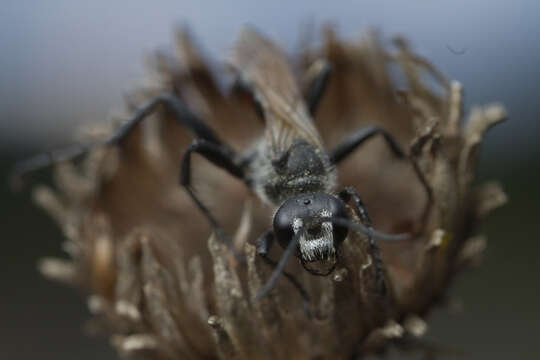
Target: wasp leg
(221, 157)
(318, 86)
(346, 195)
(343, 150)
(315, 91)
(170, 101)
(264, 244)
(43, 160)
(240, 86)
(182, 114)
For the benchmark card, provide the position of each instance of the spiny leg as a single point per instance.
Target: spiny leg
(221, 157)
(264, 244)
(344, 149)
(318, 86)
(182, 114)
(346, 195)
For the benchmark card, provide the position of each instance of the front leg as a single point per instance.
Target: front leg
(349, 145)
(223, 158)
(264, 244)
(346, 195)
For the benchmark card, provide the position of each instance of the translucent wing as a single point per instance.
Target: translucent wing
(262, 66)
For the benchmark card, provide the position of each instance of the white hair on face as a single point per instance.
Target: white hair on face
(318, 246)
(297, 224)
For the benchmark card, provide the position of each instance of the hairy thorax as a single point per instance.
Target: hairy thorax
(303, 169)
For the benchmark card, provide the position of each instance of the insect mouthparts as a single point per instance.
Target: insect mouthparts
(317, 241)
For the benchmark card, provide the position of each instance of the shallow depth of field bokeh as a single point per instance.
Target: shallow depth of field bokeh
(66, 63)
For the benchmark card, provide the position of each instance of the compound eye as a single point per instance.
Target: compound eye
(339, 210)
(283, 223)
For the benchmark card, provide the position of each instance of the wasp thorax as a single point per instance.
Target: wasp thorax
(309, 217)
(300, 160)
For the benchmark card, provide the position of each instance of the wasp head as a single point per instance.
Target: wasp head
(310, 216)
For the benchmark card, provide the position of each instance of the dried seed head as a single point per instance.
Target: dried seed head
(169, 289)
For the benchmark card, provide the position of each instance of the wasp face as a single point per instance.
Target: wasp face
(308, 214)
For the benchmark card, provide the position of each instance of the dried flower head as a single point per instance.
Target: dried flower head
(164, 287)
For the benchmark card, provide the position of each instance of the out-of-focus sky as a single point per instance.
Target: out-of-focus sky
(68, 61)
(65, 62)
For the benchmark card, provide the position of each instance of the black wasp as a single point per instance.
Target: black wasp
(288, 168)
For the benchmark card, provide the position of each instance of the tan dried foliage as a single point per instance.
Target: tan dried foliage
(167, 289)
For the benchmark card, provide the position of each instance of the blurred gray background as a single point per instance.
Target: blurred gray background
(64, 63)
